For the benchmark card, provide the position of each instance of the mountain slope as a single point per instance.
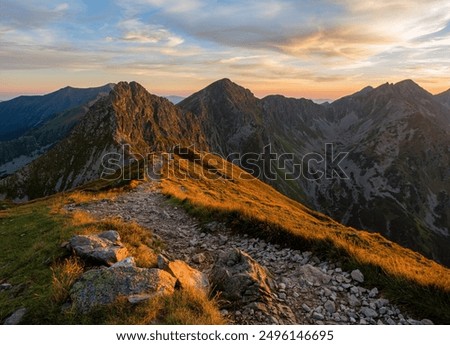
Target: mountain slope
(394, 179)
(16, 153)
(444, 98)
(217, 189)
(45, 128)
(25, 112)
(129, 122)
(398, 167)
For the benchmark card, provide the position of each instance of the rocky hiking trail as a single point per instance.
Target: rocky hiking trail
(264, 283)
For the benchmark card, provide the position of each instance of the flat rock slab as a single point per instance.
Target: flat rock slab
(103, 286)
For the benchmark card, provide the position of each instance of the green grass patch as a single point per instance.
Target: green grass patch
(30, 238)
(41, 272)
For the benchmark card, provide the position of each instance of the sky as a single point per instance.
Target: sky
(300, 48)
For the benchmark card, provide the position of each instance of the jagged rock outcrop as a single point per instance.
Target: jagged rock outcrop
(123, 279)
(104, 248)
(240, 279)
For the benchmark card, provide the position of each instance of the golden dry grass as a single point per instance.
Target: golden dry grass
(138, 240)
(190, 307)
(232, 190)
(64, 275)
(83, 197)
(183, 307)
(89, 194)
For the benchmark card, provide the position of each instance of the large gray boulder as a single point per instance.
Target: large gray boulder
(240, 279)
(104, 248)
(103, 286)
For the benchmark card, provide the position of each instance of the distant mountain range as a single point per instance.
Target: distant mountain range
(175, 99)
(394, 179)
(398, 163)
(32, 124)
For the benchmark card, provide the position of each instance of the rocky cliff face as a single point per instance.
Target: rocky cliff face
(230, 116)
(398, 141)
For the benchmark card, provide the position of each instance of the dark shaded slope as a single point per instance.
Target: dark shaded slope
(20, 114)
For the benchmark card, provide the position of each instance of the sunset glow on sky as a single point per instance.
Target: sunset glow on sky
(306, 48)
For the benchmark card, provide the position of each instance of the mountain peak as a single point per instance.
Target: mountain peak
(131, 91)
(409, 86)
(223, 92)
(124, 85)
(405, 89)
(227, 85)
(223, 81)
(407, 83)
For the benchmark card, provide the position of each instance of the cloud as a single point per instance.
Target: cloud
(283, 42)
(23, 14)
(348, 29)
(135, 31)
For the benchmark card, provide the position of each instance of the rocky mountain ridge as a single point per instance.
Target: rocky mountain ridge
(444, 98)
(126, 125)
(394, 180)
